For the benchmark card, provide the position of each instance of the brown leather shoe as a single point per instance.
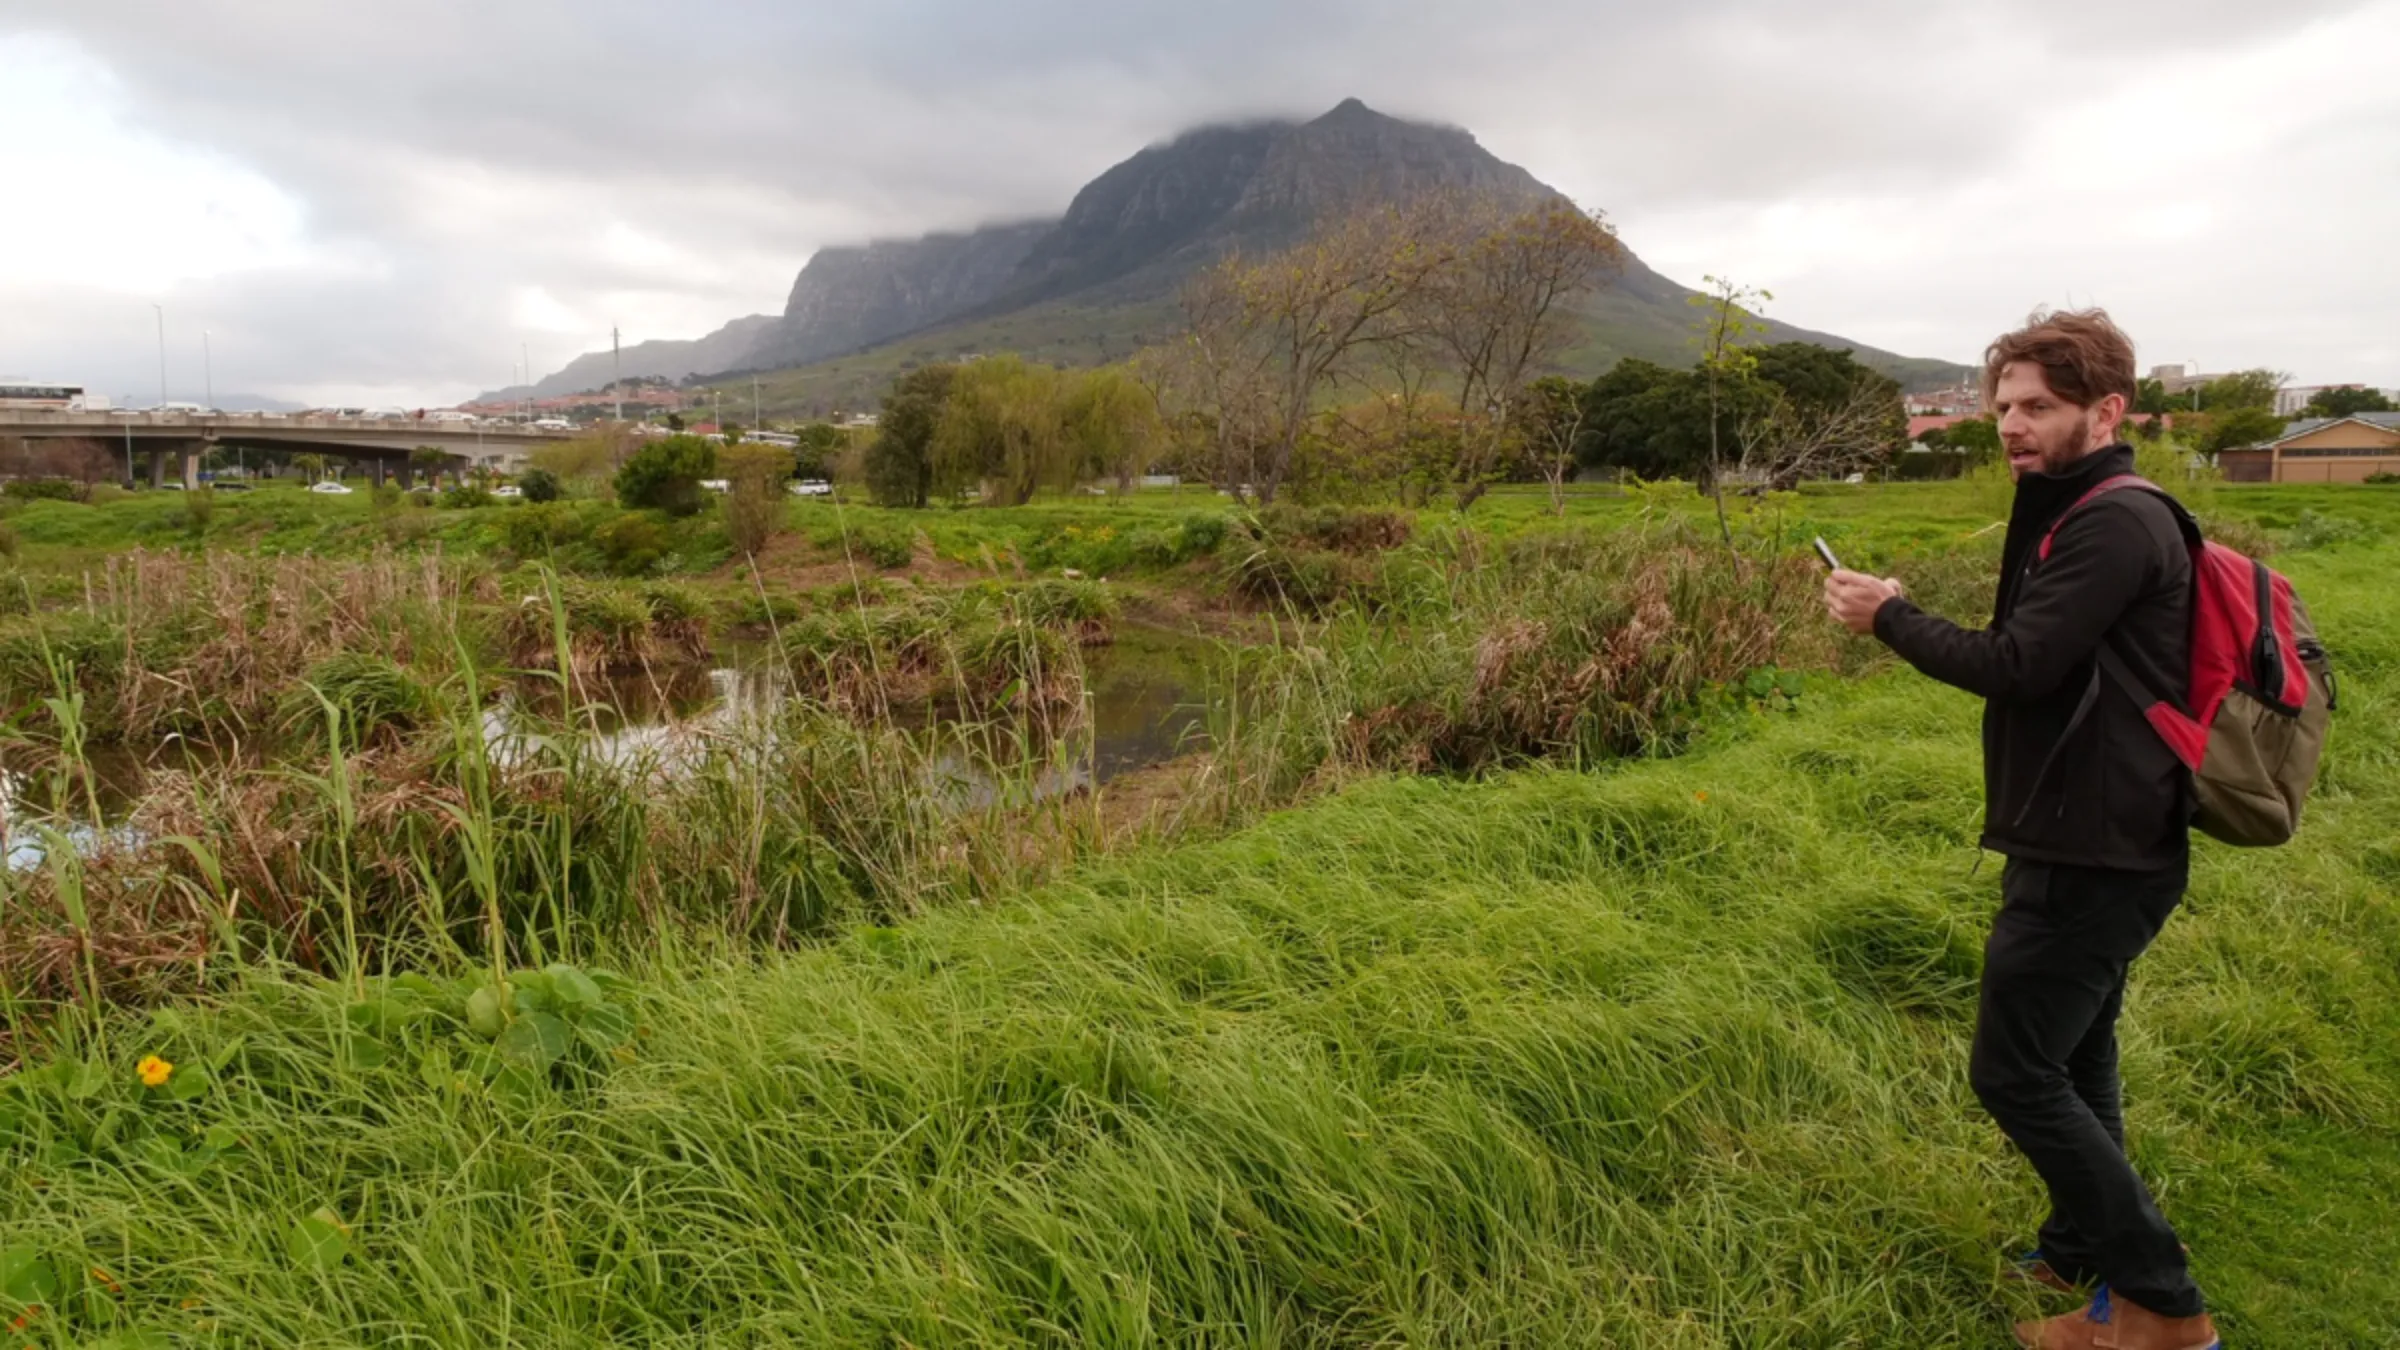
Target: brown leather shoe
(2078, 1330)
(2133, 1327)
(2113, 1324)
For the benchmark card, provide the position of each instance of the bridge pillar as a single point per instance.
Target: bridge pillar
(375, 469)
(158, 468)
(188, 459)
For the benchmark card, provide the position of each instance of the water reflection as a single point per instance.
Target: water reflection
(1145, 703)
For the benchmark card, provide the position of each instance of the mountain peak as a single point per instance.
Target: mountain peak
(1350, 107)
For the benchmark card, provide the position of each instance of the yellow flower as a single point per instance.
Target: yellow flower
(154, 1071)
(1700, 796)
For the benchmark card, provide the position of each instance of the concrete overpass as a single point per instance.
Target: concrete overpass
(382, 444)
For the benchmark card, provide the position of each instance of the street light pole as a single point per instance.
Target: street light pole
(208, 374)
(527, 353)
(755, 423)
(162, 355)
(616, 369)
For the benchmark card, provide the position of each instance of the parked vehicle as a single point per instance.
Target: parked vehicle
(329, 488)
(508, 490)
(812, 487)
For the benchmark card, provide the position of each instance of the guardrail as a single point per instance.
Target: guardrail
(119, 418)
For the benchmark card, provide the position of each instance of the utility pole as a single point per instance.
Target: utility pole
(755, 423)
(208, 374)
(616, 369)
(162, 355)
(527, 353)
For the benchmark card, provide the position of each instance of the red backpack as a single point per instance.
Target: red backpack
(2261, 693)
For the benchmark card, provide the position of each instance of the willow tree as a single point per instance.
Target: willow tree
(1115, 423)
(1004, 425)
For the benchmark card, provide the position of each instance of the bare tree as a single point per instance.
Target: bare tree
(1501, 311)
(1553, 412)
(1269, 337)
(1727, 321)
(1783, 442)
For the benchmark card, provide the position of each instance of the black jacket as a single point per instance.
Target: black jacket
(2114, 796)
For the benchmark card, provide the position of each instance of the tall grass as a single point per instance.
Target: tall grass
(1668, 1056)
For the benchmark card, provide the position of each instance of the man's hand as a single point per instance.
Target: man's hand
(1853, 597)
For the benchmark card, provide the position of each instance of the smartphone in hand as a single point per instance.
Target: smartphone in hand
(1832, 564)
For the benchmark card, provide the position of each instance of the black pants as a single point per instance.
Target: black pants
(2045, 1066)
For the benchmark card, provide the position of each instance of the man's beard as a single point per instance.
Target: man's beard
(2058, 456)
(2062, 456)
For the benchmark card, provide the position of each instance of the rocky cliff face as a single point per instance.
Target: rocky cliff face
(853, 297)
(729, 348)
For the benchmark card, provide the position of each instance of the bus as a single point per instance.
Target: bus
(55, 397)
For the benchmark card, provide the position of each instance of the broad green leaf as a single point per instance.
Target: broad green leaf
(223, 1055)
(363, 1053)
(434, 1069)
(88, 1079)
(222, 1138)
(529, 991)
(534, 1041)
(485, 1016)
(190, 1083)
(517, 1083)
(25, 1277)
(573, 988)
(417, 984)
(604, 1026)
(318, 1242)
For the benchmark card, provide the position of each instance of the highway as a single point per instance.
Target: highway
(382, 444)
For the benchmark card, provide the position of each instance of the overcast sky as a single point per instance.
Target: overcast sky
(385, 202)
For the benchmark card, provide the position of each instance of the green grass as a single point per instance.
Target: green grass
(1669, 1054)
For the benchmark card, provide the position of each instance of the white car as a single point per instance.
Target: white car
(508, 490)
(812, 487)
(553, 424)
(717, 484)
(330, 488)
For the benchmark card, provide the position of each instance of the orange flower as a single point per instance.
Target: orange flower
(154, 1071)
(1700, 796)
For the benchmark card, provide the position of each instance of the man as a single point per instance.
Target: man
(2085, 801)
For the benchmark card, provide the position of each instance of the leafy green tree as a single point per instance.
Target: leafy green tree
(1005, 424)
(1646, 419)
(899, 463)
(1725, 367)
(2237, 427)
(1823, 382)
(539, 485)
(2242, 389)
(820, 444)
(2346, 403)
(2150, 398)
(1977, 437)
(665, 475)
(1114, 424)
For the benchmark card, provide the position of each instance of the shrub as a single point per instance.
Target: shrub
(42, 489)
(1202, 531)
(2385, 478)
(2314, 529)
(1309, 579)
(632, 544)
(8, 541)
(374, 695)
(1334, 527)
(199, 508)
(665, 475)
(466, 497)
(539, 485)
(754, 498)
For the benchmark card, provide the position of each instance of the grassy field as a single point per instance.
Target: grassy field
(1666, 1052)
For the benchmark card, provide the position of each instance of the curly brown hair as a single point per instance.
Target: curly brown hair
(2084, 356)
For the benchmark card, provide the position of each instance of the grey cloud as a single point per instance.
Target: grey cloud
(753, 131)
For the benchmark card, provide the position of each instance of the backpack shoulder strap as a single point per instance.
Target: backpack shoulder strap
(2101, 489)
